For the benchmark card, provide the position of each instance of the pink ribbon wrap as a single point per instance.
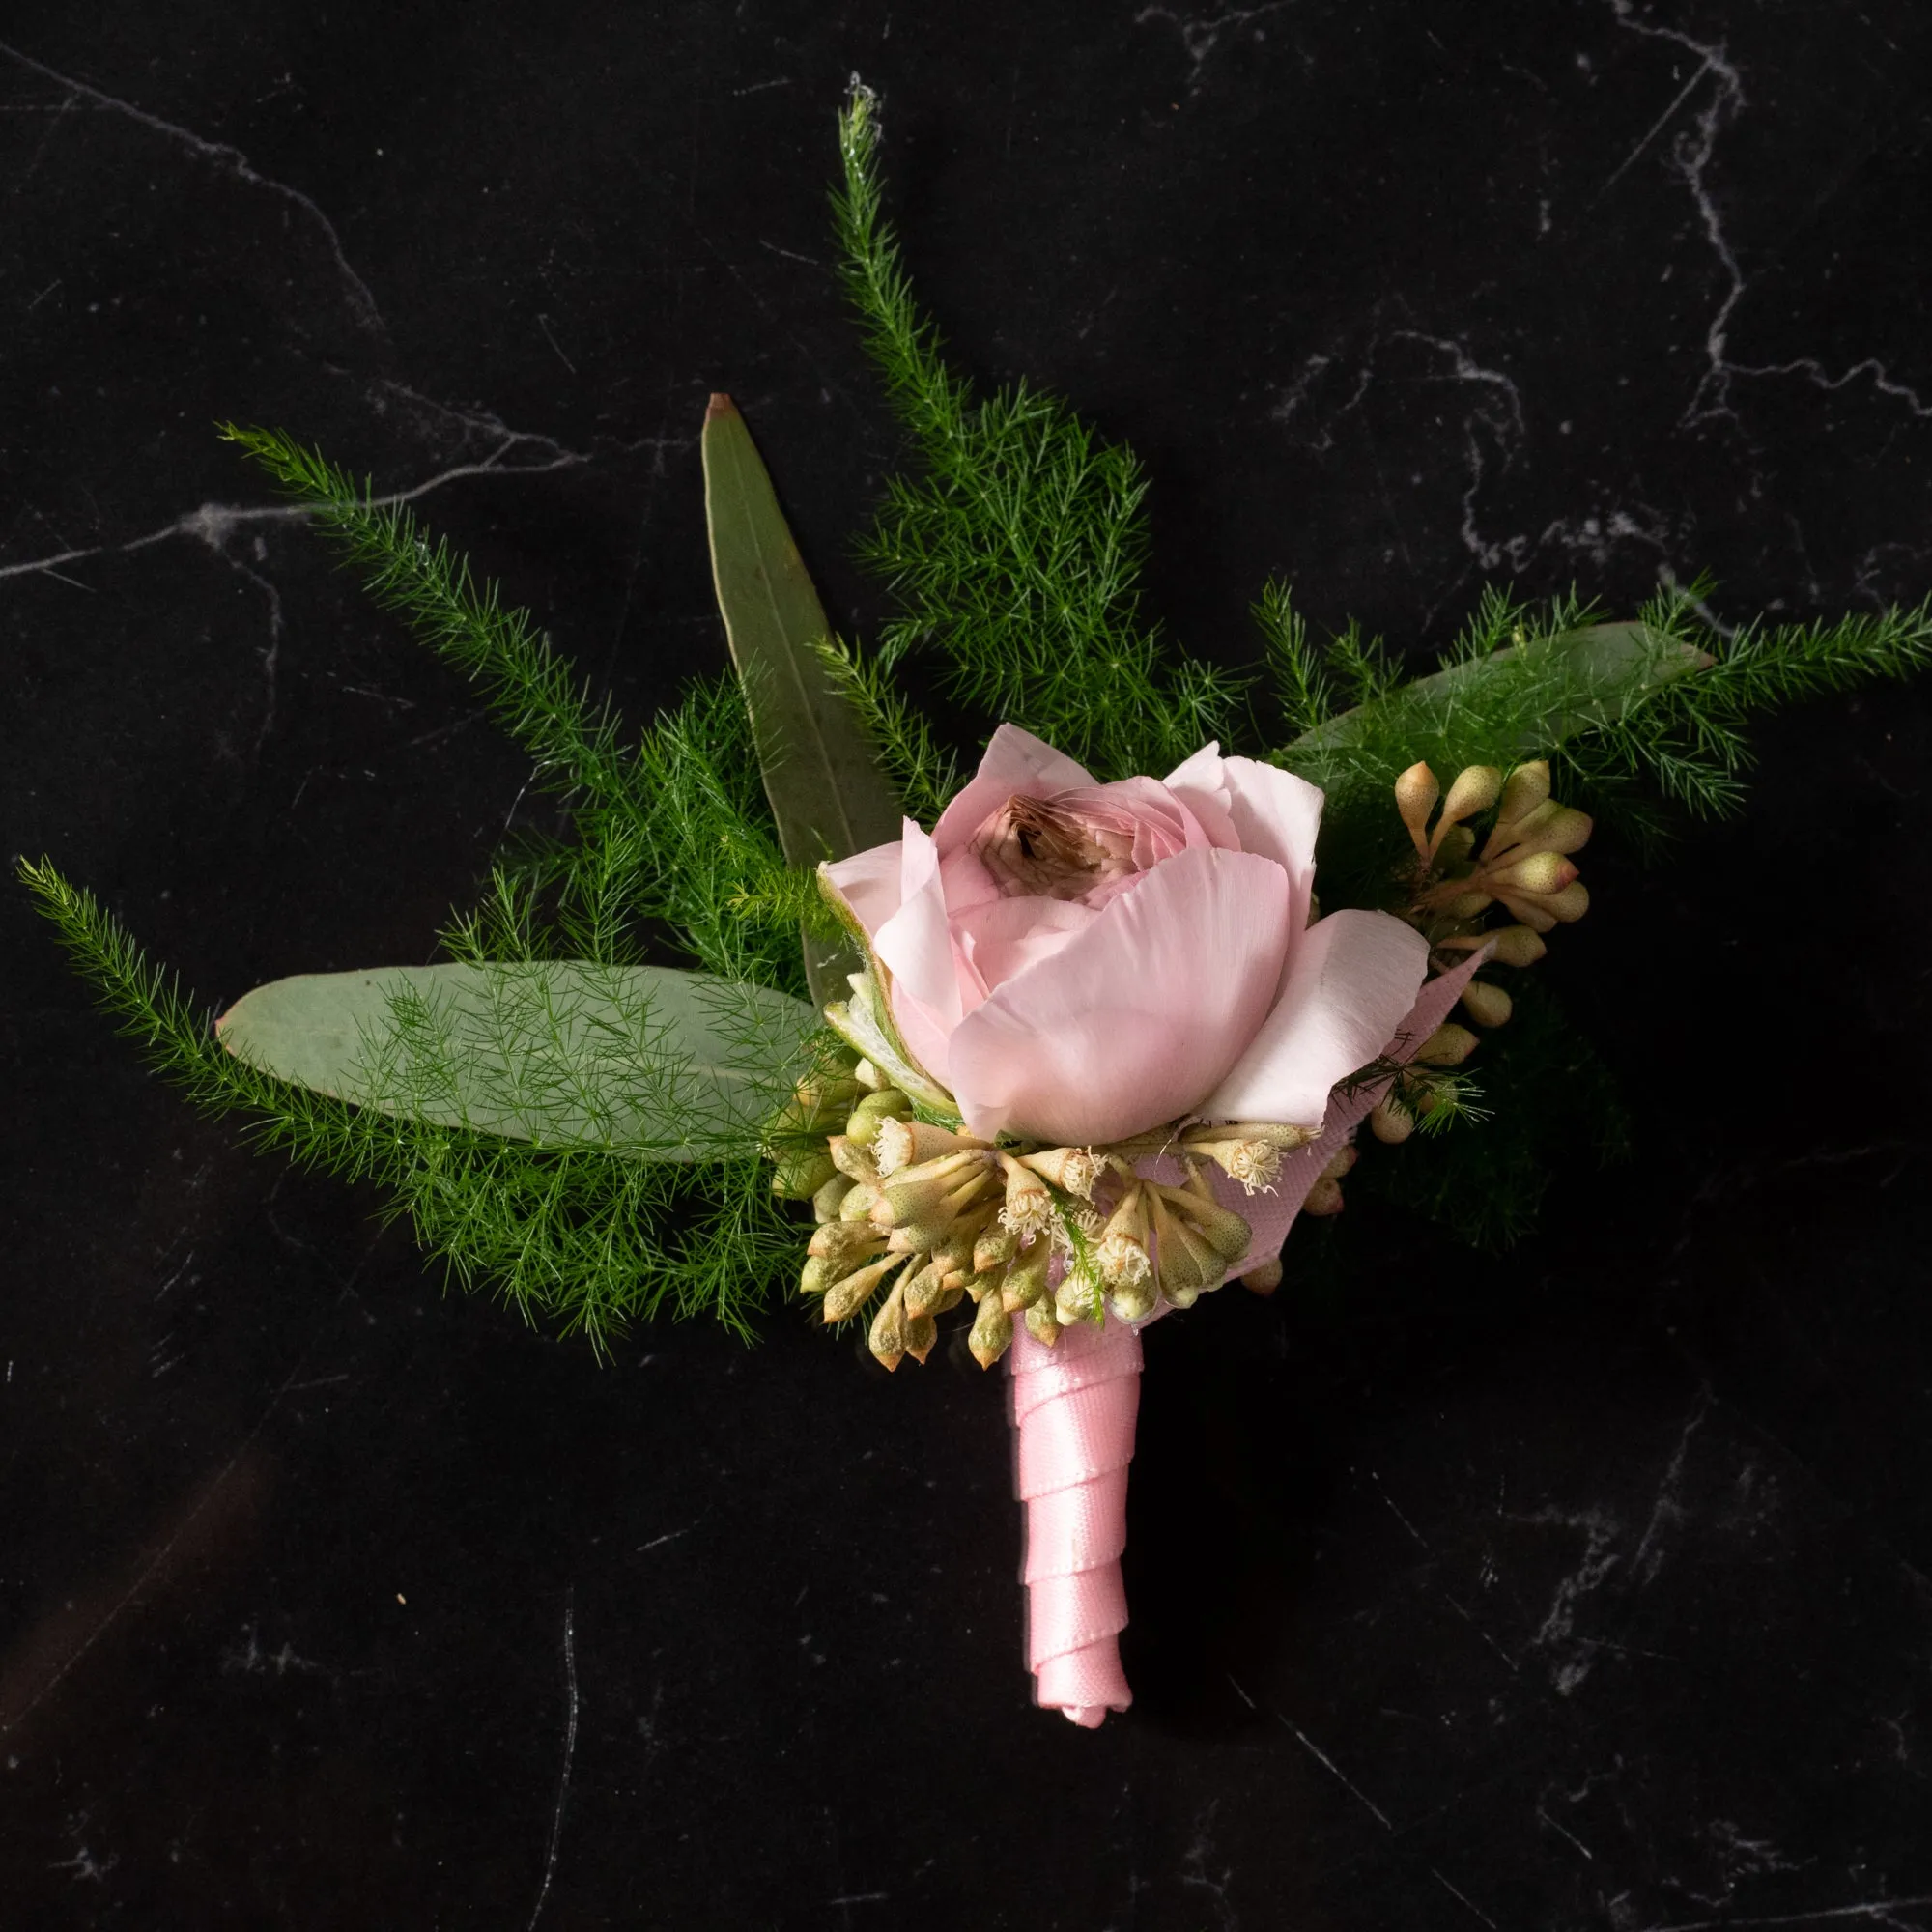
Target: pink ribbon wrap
(1074, 1411)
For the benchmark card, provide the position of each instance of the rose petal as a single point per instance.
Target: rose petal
(1129, 1024)
(1006, 937)
(868, 882)
(1350, 979)
(1276, 814)
(1273, 1214)
(915, 945)
(1197, 783)
(1015, 761)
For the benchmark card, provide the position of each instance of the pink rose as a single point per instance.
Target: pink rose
(1078, 962)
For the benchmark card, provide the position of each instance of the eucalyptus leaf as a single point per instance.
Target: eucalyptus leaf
(826, 790)
(646, 1061)
(1562, 686)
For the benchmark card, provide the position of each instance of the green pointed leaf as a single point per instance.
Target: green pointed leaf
(640, 1060)
(826, 790)
(1554, 688)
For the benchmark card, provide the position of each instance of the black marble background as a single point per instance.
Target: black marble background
(1586, 1588)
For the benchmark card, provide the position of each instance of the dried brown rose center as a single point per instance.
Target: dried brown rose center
(1035, 848)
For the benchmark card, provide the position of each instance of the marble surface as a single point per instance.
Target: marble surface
(1583, 1589)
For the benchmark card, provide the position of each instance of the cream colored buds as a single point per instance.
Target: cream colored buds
(827, 1201)
(887, 1337)
(1518, 946)
(844, 1298)
(1025, 1281)
(1488, 1006)
(1447, 1046)
(1390, 1121)
(901, 1144)
(1325, 1196)
(1416, 794)
(860, 1200)
(799, 1173)
(1072, 1170)
(846, 1241)
(1249, 1151)
(851, 1159)
(872, 1112)
(1528, 786)
(1474, 790)
(1265, 1279)
(1120, 1253)
(1042, 1323)
(992, 1331)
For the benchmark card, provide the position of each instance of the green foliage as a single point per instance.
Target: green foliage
(1298, 674)
(1688, 741)
(1015, 554)
(588, 1238)
(673, 832)
(922, 771)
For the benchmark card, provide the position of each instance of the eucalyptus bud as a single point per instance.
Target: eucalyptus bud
(1221, 1228)
(851, 1159)
(992, 1331)
(1069, 1169)
(923, 1291)
(1390, 1121)
(994, 1248)
(1121, 1255)
(1488, 1006)
(872, 1112)
(1416, 794)
(849, 1241)
(902, 1144)
(1132, 1301)
(1474, 790)
(1323, 1198)
(1342, 1162)
(887, 1337)
(829, 1198)
(859, 1202)
(1537, 874)
(799, 1173)
(922, 1331)
(1518, 946)
(1027, 1209)
(1042, 1323)
(1447, 1046)
(1265, 1279)
(846, 1297)
(1025, 1283)
(1528, 786)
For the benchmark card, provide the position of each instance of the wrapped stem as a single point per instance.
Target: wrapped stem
(1073, 1409)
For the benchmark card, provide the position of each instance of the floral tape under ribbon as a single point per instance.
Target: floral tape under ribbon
(1075, 1406)
(1074, 1413)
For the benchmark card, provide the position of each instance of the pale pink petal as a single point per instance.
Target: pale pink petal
(1005, 937)
(1351, 978)
(965, 880)
(1276, 814)
(916, 946)
(1015, 761)
(1138, 1016)
(868, 882)
(1197, 783)
(1273, 1214)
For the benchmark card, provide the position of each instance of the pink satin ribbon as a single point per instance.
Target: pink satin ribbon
(1074, 1411)
(1073, 1407)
